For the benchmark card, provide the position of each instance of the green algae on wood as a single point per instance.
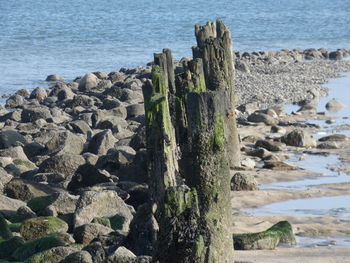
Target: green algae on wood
(280, 233)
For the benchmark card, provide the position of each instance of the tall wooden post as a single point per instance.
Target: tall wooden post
(190, 183)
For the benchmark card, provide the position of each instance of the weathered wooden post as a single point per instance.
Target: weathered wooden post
(193, 203)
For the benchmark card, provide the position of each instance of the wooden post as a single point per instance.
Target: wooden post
(194, 208)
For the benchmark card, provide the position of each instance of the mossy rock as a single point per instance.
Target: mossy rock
(5, 232)
(35, 246)
(40, 203)
(40, 226)
(9, 246)
(55, 254)
(117, 222)
(15, 227)
(280, 233)
(102, 221)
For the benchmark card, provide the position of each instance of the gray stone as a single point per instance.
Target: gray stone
(101, 204)
(78, 257)
(65, 164)
(102, 142)
(334, 138)
(54, 77)
(334, 105)
(88, 82)
(9, 206)
(262, 117)
(135, 110)
(15, 101)
(65, 142)
(84, 234)
(122, 255)
(31, 114)
(243, 182)
(299, 138)
(272, 146)
(328, 145)
(39, 94)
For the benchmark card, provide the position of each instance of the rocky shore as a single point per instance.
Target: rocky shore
(73, 164)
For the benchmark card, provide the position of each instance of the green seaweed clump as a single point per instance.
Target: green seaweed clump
(280, 233)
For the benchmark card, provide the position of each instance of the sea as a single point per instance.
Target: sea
(71, 38)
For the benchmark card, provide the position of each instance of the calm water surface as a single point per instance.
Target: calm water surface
(71, 38)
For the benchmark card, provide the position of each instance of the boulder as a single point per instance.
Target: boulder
(7, 247)
(143, 231)
(4, 179)
(334, 138)
(9, 206)
(55, 254)
(10, 138)
(81, 126)
(279, 165)
(135, 110)
(54, 77)
(82, 101)
(15, 152)
(88, 82)
(65, 93)
(102, 142)
(111, 103)
(80, 256)
(32, 247)
(33, 113)
(243, 182)
(262, 117)
(84, 234)
(96, 251)
(88, 175)
(18, 167)
(39, 94)
(65, 142)
(122, 255)
(280, 233)
(334, 105)
(248, 163)
(328, 145)
(299, 138)
(23, 213)
(65, 164)
(15, 101)
(25, 190)
(336, 55)
(269, 145)
(101, 204)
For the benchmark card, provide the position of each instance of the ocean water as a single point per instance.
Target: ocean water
(70, 38)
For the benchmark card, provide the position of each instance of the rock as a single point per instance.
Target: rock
(328, 145)
(334, 105)
(299, 138)
(82, 101)
(248, 163)
(109, 104)
(280, 233)
(39, 94)
(33, 149)
(84, 234)
(80, 256)
(23, 92)
(311, 54)
(243, 182)
(5, 232)
(96, 251)
(25, 190)
(278, 129)
(23, 213)
(81, 126)
(35, 246)
(54, 77)
(101, 204)
(88, 175)
(115, 116)
(33, 113)
(251, 139)
(17, 167)
(4, 179)
(242, 66)
(335, 55)
(65, 93)
(65, 164)
(269, 145)
(143, 231)
(15, 101)
(248, 108)
(88, 82)
(334, 138)
(9, 246)
(279, 165)
(35, 228)
(10, 138)
(135, 110)
(102, 142)
(262, 117)
(55, 254)
(65, 142)
(122, 255)
(15, 152)
(9, 206)
(13, 115)
(260, 152)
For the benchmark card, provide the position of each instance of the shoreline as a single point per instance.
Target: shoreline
(97, 122)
